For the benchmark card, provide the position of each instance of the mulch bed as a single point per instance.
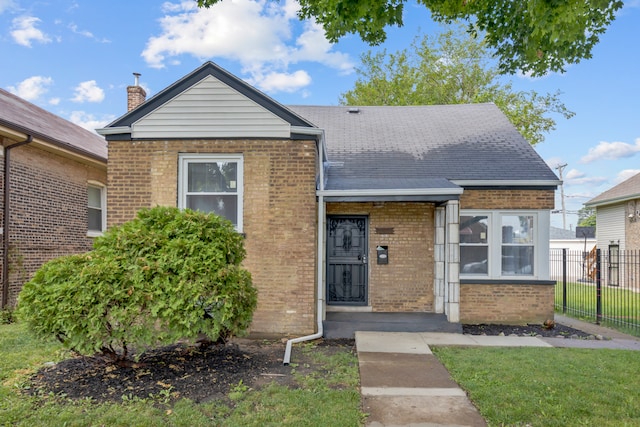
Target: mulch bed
(193, 372)
(557, 330)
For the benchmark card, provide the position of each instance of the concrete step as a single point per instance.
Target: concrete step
(345, 324)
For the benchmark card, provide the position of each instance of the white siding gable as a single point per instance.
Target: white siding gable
(211, 109)
(610, 221)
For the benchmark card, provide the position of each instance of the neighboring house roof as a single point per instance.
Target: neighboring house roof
(466, 144)
(21, 116)
(556, 233)
(626, 190)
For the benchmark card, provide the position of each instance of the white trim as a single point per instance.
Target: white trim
(392, 192)
(505, 183)
(103, 206)
(186, 158)
(307, 131)
(114, 130)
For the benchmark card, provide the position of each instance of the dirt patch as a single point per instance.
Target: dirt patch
(199, 373)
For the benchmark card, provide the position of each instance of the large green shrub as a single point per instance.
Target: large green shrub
(164, 276)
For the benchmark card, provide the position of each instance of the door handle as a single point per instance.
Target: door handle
(364, 259)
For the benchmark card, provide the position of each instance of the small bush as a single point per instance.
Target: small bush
(164, 276)
(6, 316)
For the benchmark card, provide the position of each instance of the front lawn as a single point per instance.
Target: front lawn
(548, 386)
(319, 388)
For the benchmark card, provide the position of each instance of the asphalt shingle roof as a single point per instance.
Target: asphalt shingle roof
(412, 146)
(626, 190)
(25, 117)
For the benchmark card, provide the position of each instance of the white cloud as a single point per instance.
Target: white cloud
(89, 121)
(88, 91)
(74, 28)
(576, 177)
(281, 82)
(6, 5)
(32, 88)
(54, 101)
(24, 31)
(256, 33)
(625, 174)
(611, 151)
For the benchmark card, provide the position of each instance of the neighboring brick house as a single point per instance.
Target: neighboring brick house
(52, 177)
(428, 209)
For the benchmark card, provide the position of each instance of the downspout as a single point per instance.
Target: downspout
(320, 251)
(5, 225)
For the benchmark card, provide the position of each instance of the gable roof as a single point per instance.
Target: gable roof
(23, 117)
(626, 190)
(121, 128)
(411, 146)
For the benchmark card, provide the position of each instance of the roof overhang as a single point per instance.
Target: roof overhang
(612, 201)
(392, 195)
(54, 146)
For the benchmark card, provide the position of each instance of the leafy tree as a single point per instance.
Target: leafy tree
(452, 68)
(164, 276)
(586, 217)
(533, 36)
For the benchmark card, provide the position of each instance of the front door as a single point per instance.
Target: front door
(347, 260)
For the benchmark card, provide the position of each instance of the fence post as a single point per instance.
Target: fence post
(564, 280)
(598, 288)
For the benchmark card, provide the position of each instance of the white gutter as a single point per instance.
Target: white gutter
(389, 192)
(114, 130)
(320, 246)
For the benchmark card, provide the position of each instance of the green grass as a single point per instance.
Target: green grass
(327, 396)
(548, 386)
(620, 307)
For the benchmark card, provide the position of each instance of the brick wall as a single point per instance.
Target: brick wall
(507, 199)
(406, 283)
(48, 211)
(279, 214)
(506, 303)
(632, 231)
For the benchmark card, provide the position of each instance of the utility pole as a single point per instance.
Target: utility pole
(560, 168)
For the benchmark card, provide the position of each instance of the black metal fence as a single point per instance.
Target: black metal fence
(600, 285)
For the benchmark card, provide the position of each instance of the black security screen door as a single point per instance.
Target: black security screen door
(347, 260)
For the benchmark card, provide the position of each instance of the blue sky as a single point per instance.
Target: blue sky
(76, 57)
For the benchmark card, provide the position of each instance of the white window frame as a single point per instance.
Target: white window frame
(185, 159)
(541, 224)
(103, 201)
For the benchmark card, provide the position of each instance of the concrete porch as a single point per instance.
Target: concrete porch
(345, 324)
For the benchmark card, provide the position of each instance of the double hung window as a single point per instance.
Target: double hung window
(96, 212)
(213, 184)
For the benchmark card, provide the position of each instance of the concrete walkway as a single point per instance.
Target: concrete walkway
(403, 383)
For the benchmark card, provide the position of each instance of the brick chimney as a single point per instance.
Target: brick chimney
(135, 94)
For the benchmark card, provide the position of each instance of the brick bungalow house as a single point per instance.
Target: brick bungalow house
(370, 210)
(52, 179)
